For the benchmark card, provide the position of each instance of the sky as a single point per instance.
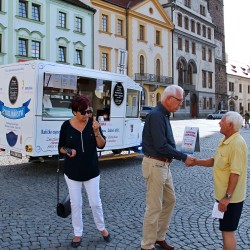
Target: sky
(237, 30)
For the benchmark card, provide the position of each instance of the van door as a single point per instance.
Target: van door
(113, 126)
(132, 125)
(14, 109)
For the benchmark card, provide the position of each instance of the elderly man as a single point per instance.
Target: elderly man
(159, 150)
(230, 176)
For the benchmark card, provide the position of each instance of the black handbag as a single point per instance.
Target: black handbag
(63, 208)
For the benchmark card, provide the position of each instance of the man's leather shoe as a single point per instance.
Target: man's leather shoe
(164, 245)
(148, 249)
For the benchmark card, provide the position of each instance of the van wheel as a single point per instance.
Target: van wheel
(117, 151)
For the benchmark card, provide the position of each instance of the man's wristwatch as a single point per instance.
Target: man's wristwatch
(228, 196)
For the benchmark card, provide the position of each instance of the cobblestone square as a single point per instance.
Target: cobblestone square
(28, 217)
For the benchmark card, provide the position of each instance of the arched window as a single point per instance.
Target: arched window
(158, 69)
(190, 74)
(142, 64)
(158, 97)
(180, 72)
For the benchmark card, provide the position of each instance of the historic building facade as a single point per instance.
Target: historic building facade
(193, 55)
(134, 38)
(238, 87)
(57, 31)
(216, 10)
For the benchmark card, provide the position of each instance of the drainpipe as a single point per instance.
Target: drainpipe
(127, 8)
(172, 16)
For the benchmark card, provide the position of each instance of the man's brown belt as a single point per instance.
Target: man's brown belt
(159, 158)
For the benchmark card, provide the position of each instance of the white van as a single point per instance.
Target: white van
(35, 98)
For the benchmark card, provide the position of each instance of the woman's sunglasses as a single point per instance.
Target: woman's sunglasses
(89, 111)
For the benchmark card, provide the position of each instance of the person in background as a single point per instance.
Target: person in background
(246, 116)
(159, 150)
(229, 164)
(79, 139)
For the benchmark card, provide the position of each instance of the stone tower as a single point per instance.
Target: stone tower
(216, 10)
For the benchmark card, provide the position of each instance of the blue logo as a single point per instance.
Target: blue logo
(11, 138)
(14, 113)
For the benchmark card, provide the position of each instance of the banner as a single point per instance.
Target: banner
(191, 140)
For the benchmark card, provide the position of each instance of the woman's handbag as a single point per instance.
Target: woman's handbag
(63, 208)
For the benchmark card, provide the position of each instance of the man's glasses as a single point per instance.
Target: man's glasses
(89, 111)
(177, 99)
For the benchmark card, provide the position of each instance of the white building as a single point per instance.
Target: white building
(238, 86)
(52, 30)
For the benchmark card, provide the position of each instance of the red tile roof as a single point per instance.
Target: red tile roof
(124, 3)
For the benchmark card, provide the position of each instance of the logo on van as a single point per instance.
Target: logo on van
(13, 90)
(118, 94)
(14, 113)
(11, 138)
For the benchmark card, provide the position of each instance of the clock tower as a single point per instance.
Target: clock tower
(216, 10)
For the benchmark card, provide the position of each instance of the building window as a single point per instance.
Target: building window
(188, 3)
(62, 54)
(62, 19)
(204, 103)
(192, 25)
(186, 23)
(204, 79)
(119, 27)
(231, 86)
(105, 61)
(79, 24)
(209, 33)
(179, 20)
(23, 47)
(142, 65)
(210, 80)
(186, 45)
(179, 43)
(79, 57)
(210, 103)
(190, 74)
(35, 49)
(141, 33)
(204, 30)
(158, 37)
(241, 108)
(248, 87)
(209, 55)
(202, 10)
(35, 12)
(158, 69)
(240, 88)
(104, 23)
(1, 5)
(193, 48)
(180, 73)
(198, 26)
(204, 53)
(23, 9)
(248, 106)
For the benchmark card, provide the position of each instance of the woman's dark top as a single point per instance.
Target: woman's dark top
(84, 166)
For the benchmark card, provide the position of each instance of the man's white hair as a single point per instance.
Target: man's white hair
(171, 90)
(235, 118)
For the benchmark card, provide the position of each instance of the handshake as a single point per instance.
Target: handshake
(190, 161)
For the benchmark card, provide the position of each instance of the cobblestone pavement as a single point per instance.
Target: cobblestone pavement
(28, 199)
